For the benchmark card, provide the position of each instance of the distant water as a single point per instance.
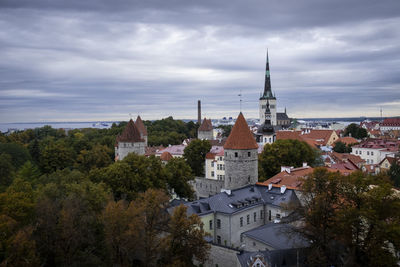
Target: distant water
(5, 127)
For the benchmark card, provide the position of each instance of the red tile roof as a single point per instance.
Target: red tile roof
(347, 140)
(241, 136)
(130, 134)
(166, 156)
(141, 127)
(206, 125)
(391, 122)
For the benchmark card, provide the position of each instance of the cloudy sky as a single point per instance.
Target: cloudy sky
(102, 60)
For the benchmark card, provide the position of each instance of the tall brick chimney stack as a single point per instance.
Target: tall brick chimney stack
(199, 112)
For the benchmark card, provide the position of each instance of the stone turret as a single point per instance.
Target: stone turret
(142, 129)
(130, 141)
(241, 158)
(205, 130)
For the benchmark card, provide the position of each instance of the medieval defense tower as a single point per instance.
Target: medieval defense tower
(241, 158)
(267, 96)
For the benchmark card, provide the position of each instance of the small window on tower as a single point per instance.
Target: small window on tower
(249, 154)
(236, 154)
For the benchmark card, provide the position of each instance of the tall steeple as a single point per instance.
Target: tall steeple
(267, 86)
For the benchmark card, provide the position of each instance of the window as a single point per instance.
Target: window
(269, 215)
(367, 161)
(241, 221)
(218, 240)
(261, 214)
(372, 161)
(212, 174)
(356, 152)
(360, 152)
(248, 179)
(249, 154)
(218, 223)
(372, 153)
(255, 216)
(368, 153)
(248, 219)
(254, 244)
(220, 158)
(226, 154)
(212, 163)
(236, 154)
(211, 225)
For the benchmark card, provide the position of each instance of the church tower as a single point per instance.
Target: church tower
(241, 158)
(267, 96)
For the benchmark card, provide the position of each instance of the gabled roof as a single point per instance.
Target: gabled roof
(130, 134)
(206, 125)
(347, 140)
(281, 116)
(140, 125)
(240, 136)
(166, 156)
(391, 122)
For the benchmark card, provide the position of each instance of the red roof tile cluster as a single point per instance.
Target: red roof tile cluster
(344, 157)
(240, 136)
(369, 124)
(141, 127)
(130, 134)
(152, 150)
(314, 138)
(388, 145)
(347, 140)
(391, 122)
(166, 156)
(206, 125)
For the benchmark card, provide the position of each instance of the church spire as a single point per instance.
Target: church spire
(267, 85)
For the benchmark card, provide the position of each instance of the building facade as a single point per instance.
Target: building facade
(129, 141)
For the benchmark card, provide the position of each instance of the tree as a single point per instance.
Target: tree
(226, 130)
(195, 154)
(394, 173)
(185, 241)
(97, 157)
(6, 171)
(348, 221)
(284, 153)
(29, 172)
(56, 156)
(341, 147)
(19, 154)
(355, 131)
(179, 174)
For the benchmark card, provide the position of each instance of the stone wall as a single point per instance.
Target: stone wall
(125, 148)
(208, 135)
(241, 168)
(207, 187)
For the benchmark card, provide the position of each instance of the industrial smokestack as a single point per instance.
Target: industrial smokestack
(199, 112)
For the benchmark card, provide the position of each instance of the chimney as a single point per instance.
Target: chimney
(285, 169)
(199, 112)
(283, 189)
(304, 164)
(269, 187)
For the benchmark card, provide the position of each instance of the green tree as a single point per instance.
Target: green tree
(341, 147)
(34, 150)
(284, 153)
(6, 171)
(29, 172)
(19, 154)
(56, 156)
(185, 241)
(179, 175)
(97, 157)
(226, 130)
(355, 131)
(394, 173)
(195, 155)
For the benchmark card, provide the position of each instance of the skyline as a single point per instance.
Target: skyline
(101, 61)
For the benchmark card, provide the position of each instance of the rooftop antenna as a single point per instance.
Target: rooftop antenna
(240, 96)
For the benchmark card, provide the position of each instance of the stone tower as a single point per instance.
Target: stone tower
(241, 158)
(129, 141)
(142, 129)
(205, 130)
(267, 96)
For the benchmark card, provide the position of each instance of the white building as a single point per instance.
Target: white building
(374, 151)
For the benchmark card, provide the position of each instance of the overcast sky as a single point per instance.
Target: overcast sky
(91, 60)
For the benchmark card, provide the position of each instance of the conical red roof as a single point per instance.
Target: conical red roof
(241, 136)
(206, 125)
(130, 133)
(141, 127)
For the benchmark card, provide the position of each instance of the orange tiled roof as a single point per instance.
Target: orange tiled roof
(241, 136)
(166, 156)
(130, 133)
(322, 135)
(347, 140)
(141, 127)
(206, 125)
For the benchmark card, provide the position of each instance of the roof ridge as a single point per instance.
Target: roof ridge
(240, 137)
